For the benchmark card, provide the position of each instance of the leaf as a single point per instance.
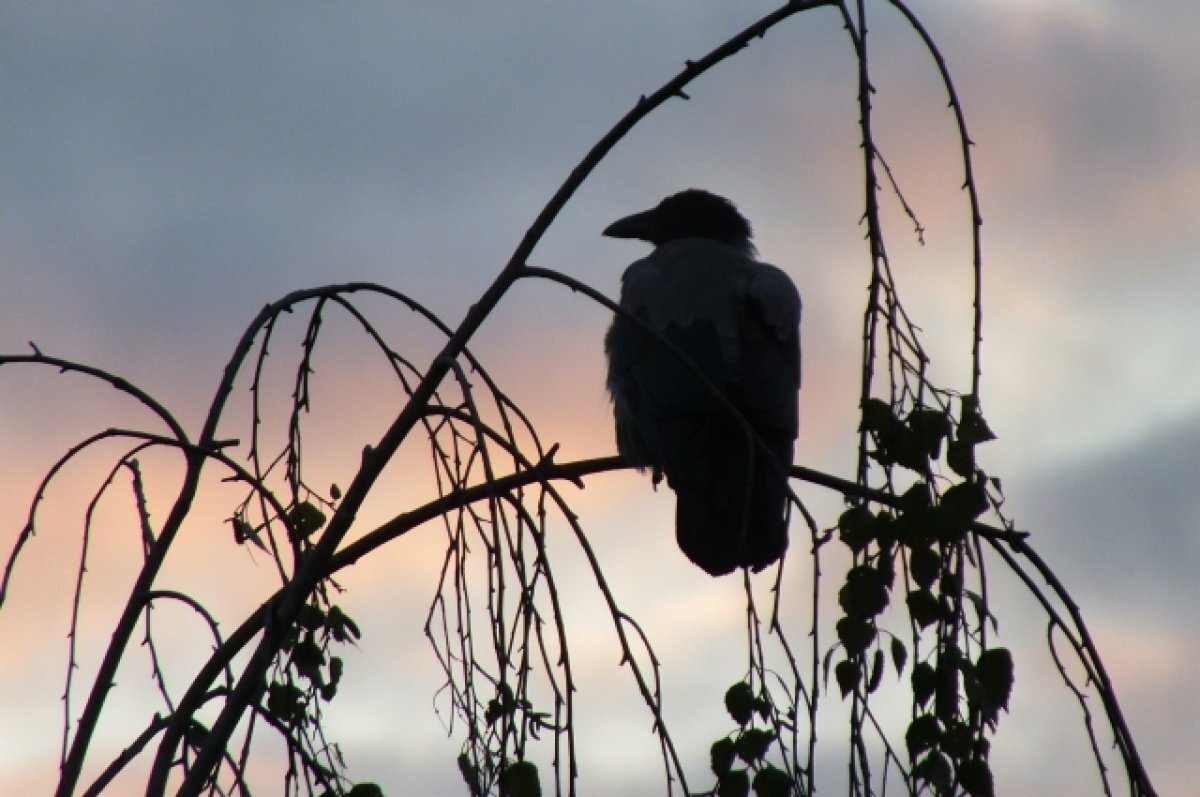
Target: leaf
(923, 734)
(975, 776)
(856, 527)
(284, 702)
(341, 626)
(521, 780)
(763, 706)
(965, 501)
(856, 635)
(470, 774)
(734, 783)
(877, 416)
(740, 702)
(960, 457)
(899, 655)
(972, 428)
(958, 741)
(721, 756)
(924, 564)
(847, 673)
(336, 667)
(877, 666)
(915, 499)
(924, 682)
(994, 671)
(923, 607)
(753, 744)
(310, 617)
(305, 518)
(886, 532)
(504, 703)
(243, 532)
(365, 790)
(935, 770)
(307, 658)
(772, 782)
(906, 449)
(929, 427)
(865, 593)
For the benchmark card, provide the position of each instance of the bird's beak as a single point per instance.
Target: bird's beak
(641, 226)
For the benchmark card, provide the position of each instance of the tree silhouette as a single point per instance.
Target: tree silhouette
(914, 599)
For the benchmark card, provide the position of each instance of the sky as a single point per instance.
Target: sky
(166, 170)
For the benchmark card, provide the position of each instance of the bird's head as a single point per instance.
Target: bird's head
(693, 213)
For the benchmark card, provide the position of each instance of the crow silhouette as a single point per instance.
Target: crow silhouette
(705, 389)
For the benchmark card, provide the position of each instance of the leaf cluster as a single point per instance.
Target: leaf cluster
(739, 759)
(950, 748)
(915, 440)
(308, 670)
(921, 544)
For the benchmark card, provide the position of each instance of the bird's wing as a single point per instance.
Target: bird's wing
(685, 294)
(774, 297)
(736, 322)
(736, 319)
(770, 349)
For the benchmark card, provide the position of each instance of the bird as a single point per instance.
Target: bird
(704, 377)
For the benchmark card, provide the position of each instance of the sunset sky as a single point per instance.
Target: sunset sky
(168, 169)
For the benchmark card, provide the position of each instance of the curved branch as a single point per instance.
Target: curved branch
(119, 383)
(317, 560)
(1108, 694)
(968, 183)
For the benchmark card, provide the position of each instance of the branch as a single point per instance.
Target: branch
(1108, 694)
(309, 574)
(965, 144)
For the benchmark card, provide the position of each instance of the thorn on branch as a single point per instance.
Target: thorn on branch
(547, 463)
(1015, 539)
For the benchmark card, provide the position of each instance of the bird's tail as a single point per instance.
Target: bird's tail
(739, 516)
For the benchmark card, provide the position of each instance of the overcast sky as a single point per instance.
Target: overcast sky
(167, 169)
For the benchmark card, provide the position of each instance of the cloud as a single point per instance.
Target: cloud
(1123, 517)
(1121, 534)
(168, 171)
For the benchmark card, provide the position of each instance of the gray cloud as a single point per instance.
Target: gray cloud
(1121, 527)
